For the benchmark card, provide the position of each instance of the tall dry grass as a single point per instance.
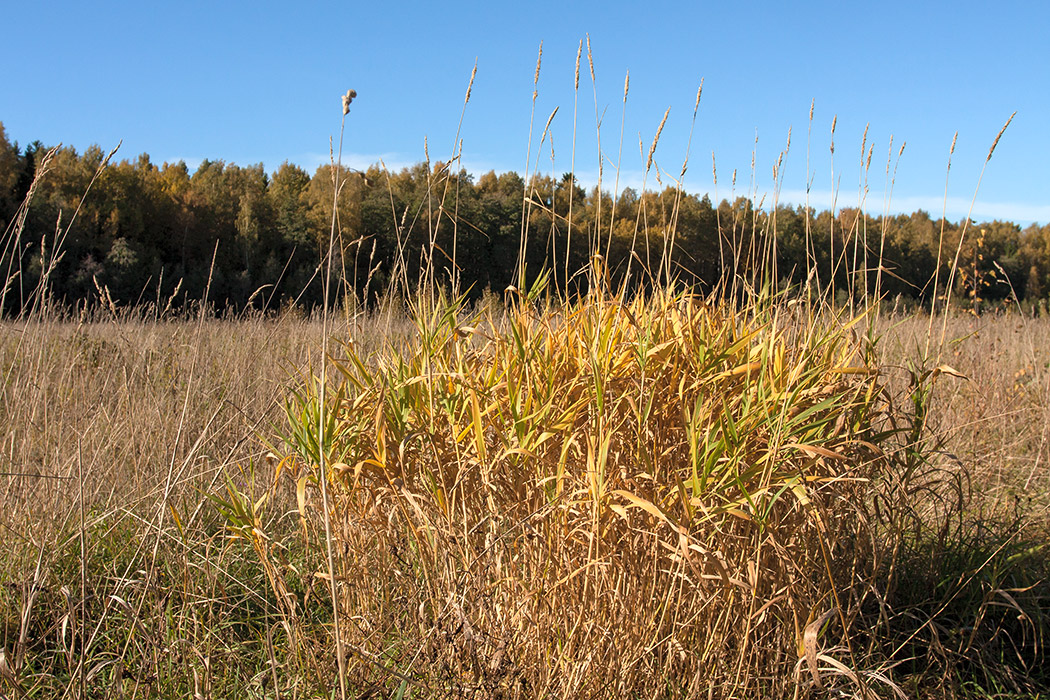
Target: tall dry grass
(109, 583)
(969, 573)
(760, 493)
(609, 499)
(997, 420)
(115, 572)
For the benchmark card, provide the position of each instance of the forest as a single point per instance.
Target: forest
(251, 239)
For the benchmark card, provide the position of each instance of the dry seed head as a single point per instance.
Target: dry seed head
(626, 85)
(812, 104)
(656, 139)
(699, 90)
(539, 59)
(834, 121)
(999, 136)
(105, 161)
(871, 150)
(951, 151)
(590, 58)
(579, 52)
(347, 99)
(549, 120)
(470, 85)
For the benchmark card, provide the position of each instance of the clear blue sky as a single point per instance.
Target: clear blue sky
(261, 82)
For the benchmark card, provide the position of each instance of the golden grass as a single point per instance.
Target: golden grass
(604, 500)
(479, 593)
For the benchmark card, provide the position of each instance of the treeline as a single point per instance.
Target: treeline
(146, 232)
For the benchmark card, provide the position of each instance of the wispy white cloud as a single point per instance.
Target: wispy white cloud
(954, 207)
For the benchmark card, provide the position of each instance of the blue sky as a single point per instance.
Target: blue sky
(261, 82)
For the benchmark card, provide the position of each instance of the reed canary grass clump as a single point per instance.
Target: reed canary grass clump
(654, 497)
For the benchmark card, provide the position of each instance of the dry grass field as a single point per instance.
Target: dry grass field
(115, 434)
(996, 422)
(149, 551)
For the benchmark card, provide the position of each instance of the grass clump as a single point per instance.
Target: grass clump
(645, 498)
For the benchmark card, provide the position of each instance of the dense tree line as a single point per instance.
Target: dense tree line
(148, 232)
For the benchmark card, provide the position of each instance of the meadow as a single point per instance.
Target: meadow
(149, 544)
(623, 488)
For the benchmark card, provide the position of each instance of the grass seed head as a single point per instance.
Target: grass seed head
(347, 99)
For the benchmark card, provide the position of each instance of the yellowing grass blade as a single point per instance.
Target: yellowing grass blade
(646, 505)
(799, 489)
(662, 351)
(175, 517)
(479, 430)
(742, 369)
(945, 369)
(300, 497)
(815, 451)
(300, 500)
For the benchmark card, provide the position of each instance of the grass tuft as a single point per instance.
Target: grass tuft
(600, 499)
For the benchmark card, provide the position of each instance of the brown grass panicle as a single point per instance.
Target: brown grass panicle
(648, 498)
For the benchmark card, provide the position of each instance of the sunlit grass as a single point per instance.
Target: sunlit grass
(664, 491)
(632, 491)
